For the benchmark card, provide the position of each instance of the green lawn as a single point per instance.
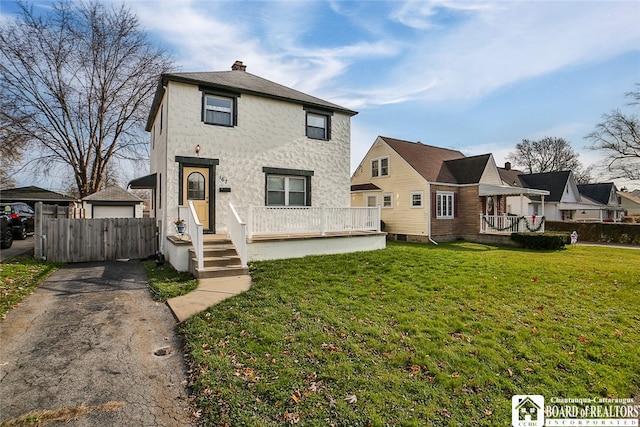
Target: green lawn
(418, 335)
(19, 277)
(165, 282)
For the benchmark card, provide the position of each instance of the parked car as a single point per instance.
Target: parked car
(21, 217)
(6, 232)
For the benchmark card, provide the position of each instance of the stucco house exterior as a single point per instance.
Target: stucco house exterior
(238, 147)
(429, 193)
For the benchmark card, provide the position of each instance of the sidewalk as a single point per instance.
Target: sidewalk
(209, 292)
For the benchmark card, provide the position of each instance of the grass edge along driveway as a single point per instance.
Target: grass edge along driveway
(418, 335)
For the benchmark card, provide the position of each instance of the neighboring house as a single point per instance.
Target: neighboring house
(432, 193)
(567, 201)
(239, 147)
(32, 195)
(112, 202)
(630, 203)
(605, 195)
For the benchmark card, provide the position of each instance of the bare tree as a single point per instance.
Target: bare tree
(549, 155)
(619, 136)
(83, 73)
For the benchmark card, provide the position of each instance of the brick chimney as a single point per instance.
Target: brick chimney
(507, 166)
(238, 66)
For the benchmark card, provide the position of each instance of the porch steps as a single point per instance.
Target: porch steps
(220, 259)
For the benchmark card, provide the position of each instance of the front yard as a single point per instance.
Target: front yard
(418, 335)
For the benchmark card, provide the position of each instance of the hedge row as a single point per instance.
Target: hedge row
(598, 231)
(546, 241)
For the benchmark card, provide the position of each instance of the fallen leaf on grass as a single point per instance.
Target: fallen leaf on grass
(352, 398)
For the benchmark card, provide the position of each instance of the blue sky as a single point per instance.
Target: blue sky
(477, 76)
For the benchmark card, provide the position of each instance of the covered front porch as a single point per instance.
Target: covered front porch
(496, 217)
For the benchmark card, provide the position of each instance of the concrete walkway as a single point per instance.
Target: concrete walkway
(209, 292)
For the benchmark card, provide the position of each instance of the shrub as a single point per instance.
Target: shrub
(546, 241)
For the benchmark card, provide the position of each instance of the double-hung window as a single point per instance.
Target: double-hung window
(287, 187)
(387, 200)
(416, 199)
(318, 124)
(218, 110)
(444, 204)
(286, 190)
(380, 167)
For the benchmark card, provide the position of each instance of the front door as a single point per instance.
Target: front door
(195, 188)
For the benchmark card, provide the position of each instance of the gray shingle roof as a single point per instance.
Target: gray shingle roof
(553, 182)
(601, 193)
(33, 194)
(243, 82)
(468, 170)
(113, 194)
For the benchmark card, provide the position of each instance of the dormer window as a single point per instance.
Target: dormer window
(318, 124)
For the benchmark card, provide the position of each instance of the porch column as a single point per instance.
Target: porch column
(543, 205)
(522, 212)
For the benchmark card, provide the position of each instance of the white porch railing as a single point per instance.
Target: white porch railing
(507, 224)
(195, 231)
(237, 231)
(264, 220)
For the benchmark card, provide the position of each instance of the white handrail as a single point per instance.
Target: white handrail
(197, 237)
(289, 220)
(238, 232)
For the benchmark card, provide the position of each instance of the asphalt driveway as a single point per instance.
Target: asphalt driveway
(91, 339)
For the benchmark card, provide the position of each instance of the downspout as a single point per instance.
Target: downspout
(429, 199)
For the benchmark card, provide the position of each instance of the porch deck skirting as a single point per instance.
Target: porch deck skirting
(269, 247)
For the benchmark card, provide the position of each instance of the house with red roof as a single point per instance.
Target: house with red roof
(429, 193)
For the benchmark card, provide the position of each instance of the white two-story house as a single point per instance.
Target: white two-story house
(233, 139)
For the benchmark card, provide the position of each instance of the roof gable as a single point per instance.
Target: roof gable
(427, 160)
(554, 182)
(602, 193)
(468, 170)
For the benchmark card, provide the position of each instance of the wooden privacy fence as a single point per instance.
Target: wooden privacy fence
(85, 240)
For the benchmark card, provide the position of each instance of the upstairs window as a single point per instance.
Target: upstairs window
(218, 110)
(380, 167)
(318, 124)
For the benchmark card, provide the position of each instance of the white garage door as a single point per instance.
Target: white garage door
(113, 212)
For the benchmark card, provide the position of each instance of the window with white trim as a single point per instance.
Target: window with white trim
(387, 200)
(286, 190)
(372, 200)
(444, 204)
(416, 199)
(380, 167)
(218, 110)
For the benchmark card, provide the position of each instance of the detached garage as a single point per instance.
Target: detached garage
(112, 202)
